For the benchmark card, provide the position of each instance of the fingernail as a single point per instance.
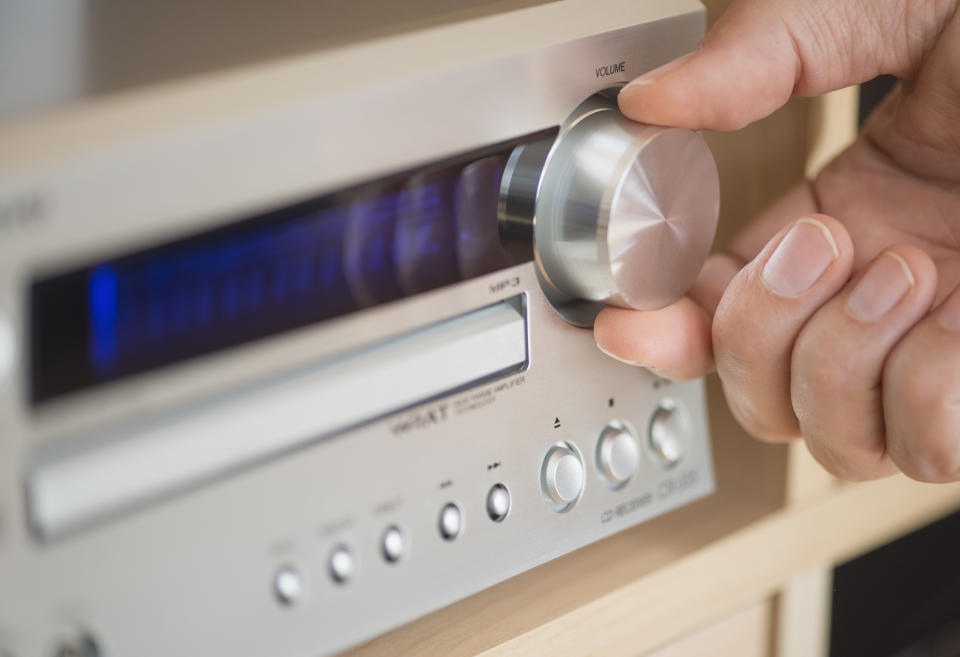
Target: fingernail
(650, 77)
(949, 316)
(634, 363)
(881, 288)
(656, 372)
(622, 360)
(800, 258)
(643, 81)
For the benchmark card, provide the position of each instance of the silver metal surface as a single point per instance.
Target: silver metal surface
(84, 48)
(618, 453)
(670, 432)
(625, 212)
(77, 644)
(233, 533)
(8, 345)
(113, 173)
(71, 488)
(518, 196)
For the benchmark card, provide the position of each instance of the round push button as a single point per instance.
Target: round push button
(618, 454)
(561, 476)
(670, 432)
(498, 502)
(287, 585)
(342, 564)
(393, 544)
(451, 521)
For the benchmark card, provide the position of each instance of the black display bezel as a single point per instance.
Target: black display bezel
(59, 327)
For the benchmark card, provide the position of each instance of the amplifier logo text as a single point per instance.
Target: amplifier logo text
(611, 69)
(420, 420)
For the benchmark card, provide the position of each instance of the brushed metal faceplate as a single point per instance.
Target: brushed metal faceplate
(195, 572)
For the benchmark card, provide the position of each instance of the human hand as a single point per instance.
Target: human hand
(835, 315)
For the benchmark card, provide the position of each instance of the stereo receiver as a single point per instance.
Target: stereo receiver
(296, 350)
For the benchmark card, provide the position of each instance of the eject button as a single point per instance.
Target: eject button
(562, 476)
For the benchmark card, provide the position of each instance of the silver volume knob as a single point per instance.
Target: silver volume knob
(624, 214)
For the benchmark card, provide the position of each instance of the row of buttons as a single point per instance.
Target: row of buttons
(562, 474)
(288, 586)
(498, 507)
(562, 480)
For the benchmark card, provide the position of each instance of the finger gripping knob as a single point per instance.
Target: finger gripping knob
(625, 213)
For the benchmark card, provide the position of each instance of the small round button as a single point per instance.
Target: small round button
(287, 585)
(342, 564)
(450, 521)
(498, 502)
(618, 454)
(562, 476)
(670, 432)
(393, 544)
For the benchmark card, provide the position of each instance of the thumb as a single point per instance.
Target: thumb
(761, 52)
(675, 342)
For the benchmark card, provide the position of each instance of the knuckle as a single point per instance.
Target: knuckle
(737, 347)
(750, 421)
(820, 366)
(724, 330)
(753, 365)
(820, 376)
(831, 461)
(765, 422)
(923, 420)
(912, 386)
(849, 463)
(931, 468)
(930, 451)
(823, 452)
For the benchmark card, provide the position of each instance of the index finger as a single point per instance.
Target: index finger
(762, 52)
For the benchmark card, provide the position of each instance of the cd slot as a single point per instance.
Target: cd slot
(69, 488)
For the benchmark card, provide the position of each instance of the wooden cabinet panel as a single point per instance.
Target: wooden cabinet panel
(746, 633)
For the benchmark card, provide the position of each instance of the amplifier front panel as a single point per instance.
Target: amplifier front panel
(320, 541)
(249, 564)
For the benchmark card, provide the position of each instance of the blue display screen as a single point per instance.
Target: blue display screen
(242, 283)
(263, 275)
